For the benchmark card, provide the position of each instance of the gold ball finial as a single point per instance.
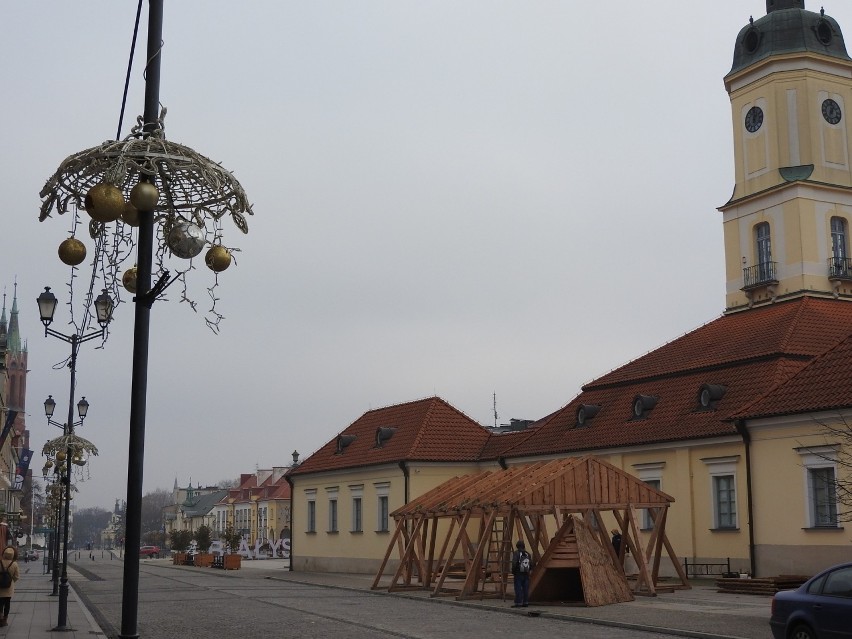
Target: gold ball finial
(72, 251)
(104, 202)
(217, 258)
(128, 279)
(144, 196)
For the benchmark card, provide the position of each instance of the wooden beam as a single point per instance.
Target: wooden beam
(471, 583)
(381, 572)
(445, 571)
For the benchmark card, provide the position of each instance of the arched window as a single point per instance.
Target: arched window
(764, 252)
(838, 245)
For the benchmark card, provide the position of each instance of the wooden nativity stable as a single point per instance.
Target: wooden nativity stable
(458, 538)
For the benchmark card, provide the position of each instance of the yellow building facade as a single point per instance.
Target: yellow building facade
(744, 421)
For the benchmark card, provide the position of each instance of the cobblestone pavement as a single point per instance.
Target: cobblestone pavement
(264, 597)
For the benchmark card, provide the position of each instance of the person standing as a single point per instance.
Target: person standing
(521, 568)
(9, 574)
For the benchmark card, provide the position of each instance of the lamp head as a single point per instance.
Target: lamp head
(49, 406)
(82, 408)
(46, 306)
(103, 308)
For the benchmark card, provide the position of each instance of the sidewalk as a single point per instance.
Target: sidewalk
(700, 612)
(34, 613)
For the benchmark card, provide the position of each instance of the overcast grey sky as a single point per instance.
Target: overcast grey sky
(452, 198)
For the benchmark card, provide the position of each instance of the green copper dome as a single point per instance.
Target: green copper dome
(788, 28)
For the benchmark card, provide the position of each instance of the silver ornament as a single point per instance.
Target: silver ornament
(186, 240)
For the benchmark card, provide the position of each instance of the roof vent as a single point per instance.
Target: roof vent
(642, 405)
(585, 412)
(710, 394)
(343, 441)
(383, 434)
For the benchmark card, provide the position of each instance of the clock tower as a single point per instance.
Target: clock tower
(787, 224)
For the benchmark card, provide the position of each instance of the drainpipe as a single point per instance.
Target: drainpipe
(292, 517)
(502, 462)
(405, 474)
(743, 431)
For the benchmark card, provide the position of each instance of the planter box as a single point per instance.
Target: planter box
(179, 558)
(203, 560)
(232, 562)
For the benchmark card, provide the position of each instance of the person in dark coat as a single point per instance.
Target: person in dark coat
(9, 563)
(616, 541)
(521, 568)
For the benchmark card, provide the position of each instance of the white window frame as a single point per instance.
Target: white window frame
(382, 497)
(649, 472)
(333, 512)
(818, 458)
(719, 467)
(311, 510)
(357, 494)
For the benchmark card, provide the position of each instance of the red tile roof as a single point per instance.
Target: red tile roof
(750, 353)
(825, 384)
(425, 430)
(789, 357)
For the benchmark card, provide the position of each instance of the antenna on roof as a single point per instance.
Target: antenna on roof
(495, 410)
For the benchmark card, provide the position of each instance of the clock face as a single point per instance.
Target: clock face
(754, 119)
(831, 111)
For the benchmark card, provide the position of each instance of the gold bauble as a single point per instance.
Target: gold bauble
(72, 251)
(218, 258)
(129, 279)
(60, 455)
(104, 202)
(144, 196)
(130, 215)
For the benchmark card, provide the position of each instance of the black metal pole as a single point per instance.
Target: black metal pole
(62, 622)
(141, 331)
(54, 542)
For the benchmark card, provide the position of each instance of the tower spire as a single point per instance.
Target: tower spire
(13, 339)
(778, 5)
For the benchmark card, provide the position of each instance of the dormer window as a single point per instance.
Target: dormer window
(585, 412)
(343, 441)
(709, 395)
(642, 405)
(383, 434)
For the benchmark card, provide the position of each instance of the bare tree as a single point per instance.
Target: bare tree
(838, 438)
(152, 516)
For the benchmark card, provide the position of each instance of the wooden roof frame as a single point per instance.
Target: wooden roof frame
(518, 502)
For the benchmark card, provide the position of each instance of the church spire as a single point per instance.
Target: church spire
(13, 338)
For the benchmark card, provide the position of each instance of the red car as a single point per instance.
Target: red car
(149, 552)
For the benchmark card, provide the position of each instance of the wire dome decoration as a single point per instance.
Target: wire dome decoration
(195, 195)
(77, 450)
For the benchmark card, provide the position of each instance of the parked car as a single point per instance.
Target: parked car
(821, 608)
(149, 551)
(31, 555)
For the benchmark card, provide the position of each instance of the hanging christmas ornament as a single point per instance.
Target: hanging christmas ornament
(72, 251)
(129, 280)
(104, 202)
(218, 258)
(186, 240)
(144, 196)
(130, 215)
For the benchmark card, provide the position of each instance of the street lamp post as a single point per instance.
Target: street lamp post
(182, 195)
(55, 502)
(103, 310)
